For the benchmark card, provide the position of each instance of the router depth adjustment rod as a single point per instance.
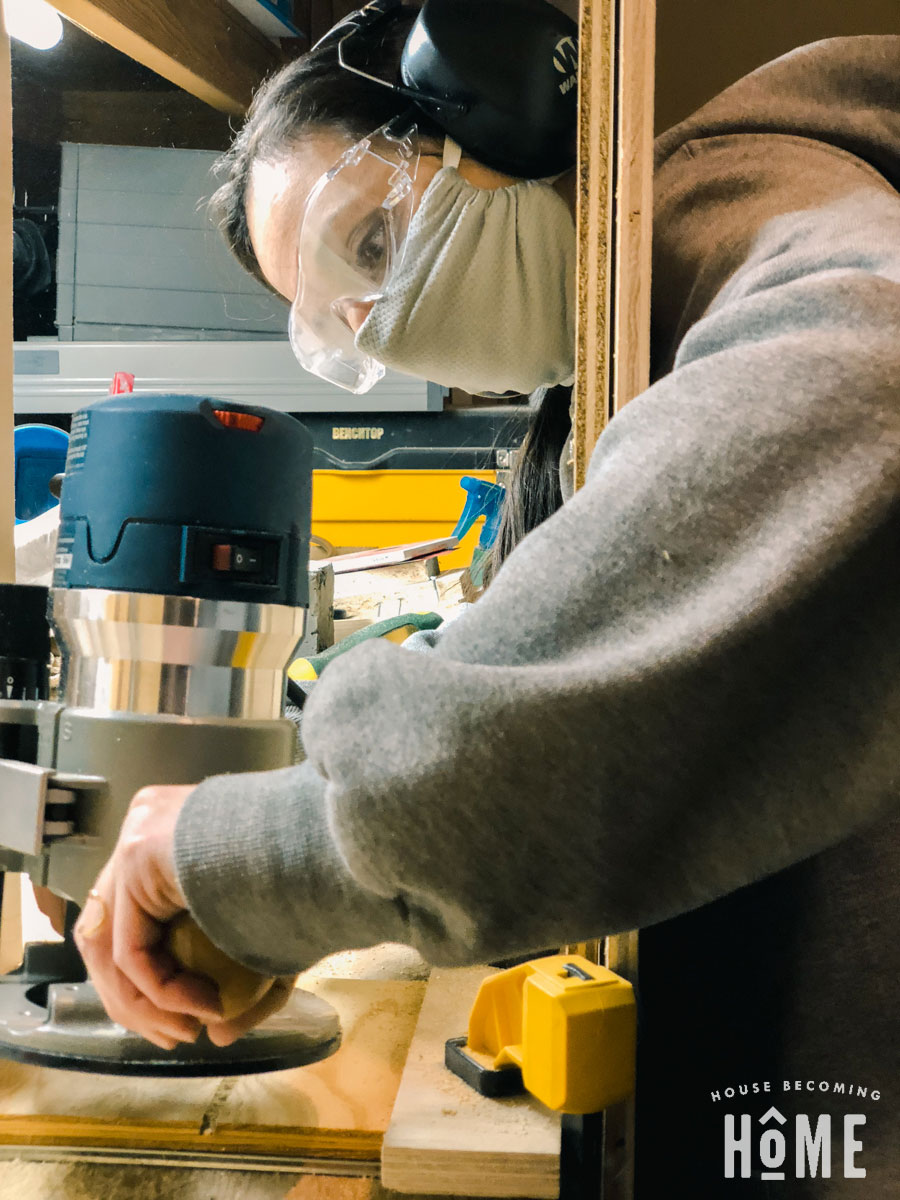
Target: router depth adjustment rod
(178, 600)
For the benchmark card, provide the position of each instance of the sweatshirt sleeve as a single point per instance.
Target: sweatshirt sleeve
(687, 679)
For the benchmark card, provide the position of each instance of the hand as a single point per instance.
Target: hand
(122, 929)
(122, 926)
(223, 1033)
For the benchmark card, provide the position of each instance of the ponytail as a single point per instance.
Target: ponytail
(534, 492)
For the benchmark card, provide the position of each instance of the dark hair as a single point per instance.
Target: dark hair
(315, 92)
(534, 491)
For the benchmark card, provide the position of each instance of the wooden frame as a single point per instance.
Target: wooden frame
(595, 226)
(614, 224)
(615, 181)
(204, 46)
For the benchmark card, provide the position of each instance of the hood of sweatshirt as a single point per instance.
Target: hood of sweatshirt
(795, 133)
(843, 91)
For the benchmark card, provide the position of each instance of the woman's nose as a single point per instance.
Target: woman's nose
(355, 312)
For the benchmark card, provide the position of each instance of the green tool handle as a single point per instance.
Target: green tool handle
(419, 621)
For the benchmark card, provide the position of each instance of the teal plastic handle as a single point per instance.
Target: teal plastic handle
(483, 499)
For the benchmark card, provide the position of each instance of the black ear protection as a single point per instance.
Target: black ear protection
(499, 76)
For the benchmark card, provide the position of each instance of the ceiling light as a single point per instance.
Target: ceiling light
(34, 22)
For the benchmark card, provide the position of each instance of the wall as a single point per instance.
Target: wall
(704, 45)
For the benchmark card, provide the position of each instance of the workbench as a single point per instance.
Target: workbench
(382, 1105)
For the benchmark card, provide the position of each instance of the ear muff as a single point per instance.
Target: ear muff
(499, 76)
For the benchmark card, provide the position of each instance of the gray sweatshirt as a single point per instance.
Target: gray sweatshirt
(678, 705)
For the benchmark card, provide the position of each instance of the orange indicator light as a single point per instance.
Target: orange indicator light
(249, 422)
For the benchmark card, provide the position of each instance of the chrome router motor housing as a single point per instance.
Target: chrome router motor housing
(134, 652)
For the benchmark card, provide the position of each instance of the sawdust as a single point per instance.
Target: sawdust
(21, 1180)
(390, 960)
(326, 1187)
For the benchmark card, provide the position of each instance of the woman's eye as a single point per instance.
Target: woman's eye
(371, 251)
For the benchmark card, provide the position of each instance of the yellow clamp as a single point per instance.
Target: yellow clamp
(567, 1023)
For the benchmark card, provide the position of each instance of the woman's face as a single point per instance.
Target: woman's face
(277, 198)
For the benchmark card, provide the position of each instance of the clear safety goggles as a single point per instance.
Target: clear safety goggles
(350, 243)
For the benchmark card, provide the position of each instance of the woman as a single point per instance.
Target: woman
(678, 705)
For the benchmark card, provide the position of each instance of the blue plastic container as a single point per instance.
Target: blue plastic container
(40, 453)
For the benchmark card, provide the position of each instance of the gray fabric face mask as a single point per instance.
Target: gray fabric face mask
(485, 297)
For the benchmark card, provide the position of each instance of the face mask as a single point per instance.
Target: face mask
(484, 299)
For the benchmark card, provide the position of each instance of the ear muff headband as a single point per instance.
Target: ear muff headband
(357, 31)
(499, 77)
(363, 20)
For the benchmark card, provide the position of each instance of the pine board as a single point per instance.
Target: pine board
(446, 1139)
(338, 1108)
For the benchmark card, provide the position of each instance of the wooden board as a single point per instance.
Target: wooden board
(7, 509)
(595, 227)
(634, 199)
(614, 218)
(446, 1139)
(204, 46)
(336, 1109)
(614, 225)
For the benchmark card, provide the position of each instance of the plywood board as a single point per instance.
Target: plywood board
(446, 1139)
(614, 217)
(338, 1108)
(634, 199)
(614, 225)
(595, 227)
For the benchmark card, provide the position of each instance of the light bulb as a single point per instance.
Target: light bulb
(34, 22)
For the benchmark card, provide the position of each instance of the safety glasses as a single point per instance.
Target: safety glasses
(350, 243)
